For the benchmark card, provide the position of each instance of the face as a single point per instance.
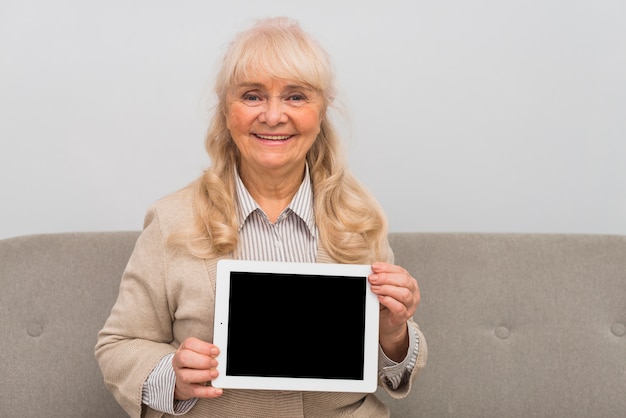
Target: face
(274, 123)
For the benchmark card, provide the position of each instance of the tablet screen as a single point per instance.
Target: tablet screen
(293, 317)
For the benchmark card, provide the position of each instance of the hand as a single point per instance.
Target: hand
(195, 366)
(399, 295)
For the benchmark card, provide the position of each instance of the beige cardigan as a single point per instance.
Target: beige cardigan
(167, 295)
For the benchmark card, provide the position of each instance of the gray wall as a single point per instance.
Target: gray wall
(465, 116)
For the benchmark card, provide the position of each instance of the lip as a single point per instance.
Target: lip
(274, 137)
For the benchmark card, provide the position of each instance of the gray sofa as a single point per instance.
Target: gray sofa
(518, 325)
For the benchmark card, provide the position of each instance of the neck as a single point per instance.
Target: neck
(272, 191)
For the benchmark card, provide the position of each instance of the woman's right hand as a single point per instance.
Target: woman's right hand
(195, 366)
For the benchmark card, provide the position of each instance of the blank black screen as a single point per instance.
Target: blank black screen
(285, 325)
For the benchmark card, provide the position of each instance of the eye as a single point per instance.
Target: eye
(296, 99)
(251, 99)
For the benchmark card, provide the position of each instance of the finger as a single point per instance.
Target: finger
(401, 302)
(200, 390)
(388, 281)
(403, 295)
(199, 346)
(400, 286)
(398, 277)
(194, 383)
(187, 359)
(209, 392)
(192, 376)
(397, 307)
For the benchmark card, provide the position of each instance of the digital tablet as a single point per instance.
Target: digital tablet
(296, 326)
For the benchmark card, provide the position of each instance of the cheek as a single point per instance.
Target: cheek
(312, 121)
(238, 118)
(232, 120)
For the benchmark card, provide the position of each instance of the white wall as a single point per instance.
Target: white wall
(466, 116)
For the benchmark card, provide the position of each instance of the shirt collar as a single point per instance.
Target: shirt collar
(301, 204)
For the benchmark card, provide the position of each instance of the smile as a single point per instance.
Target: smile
(273, 137)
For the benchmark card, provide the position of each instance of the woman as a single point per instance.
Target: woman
(277, 174)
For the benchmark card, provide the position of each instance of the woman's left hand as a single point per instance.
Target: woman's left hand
(399, 295)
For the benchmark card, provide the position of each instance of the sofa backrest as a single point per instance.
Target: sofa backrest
(56, 292)
(517, 325)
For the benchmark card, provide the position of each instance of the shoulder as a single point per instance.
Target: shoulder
(172, 212)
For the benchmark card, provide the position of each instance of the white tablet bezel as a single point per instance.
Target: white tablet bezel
(222, 295)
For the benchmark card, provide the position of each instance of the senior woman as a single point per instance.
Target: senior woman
(276, 172)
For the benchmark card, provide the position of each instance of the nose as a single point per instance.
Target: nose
(273, 112)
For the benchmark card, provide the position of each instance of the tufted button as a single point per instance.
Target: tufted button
(618, 329)
(502, 332)
(35, 329)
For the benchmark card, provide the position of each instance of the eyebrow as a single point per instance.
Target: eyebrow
(255, 85)
(262, 86)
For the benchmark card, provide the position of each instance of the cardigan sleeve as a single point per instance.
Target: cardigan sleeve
(422, 353)
(138, 332)
(420, 362)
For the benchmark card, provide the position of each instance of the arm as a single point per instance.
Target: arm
(181, 378)
(399, 296)
(394, 374)
(165, 298)
(138, 332)
(158, 390)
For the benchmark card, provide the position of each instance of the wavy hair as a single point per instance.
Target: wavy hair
(352, 227)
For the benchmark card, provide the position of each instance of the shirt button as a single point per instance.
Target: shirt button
(278, 244)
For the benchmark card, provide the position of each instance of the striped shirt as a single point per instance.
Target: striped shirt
(292, 238)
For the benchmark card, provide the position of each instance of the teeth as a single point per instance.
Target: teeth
(274, 137)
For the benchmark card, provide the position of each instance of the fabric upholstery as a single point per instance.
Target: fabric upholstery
(517, 325)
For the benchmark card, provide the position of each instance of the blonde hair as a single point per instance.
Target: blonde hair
(352, 227)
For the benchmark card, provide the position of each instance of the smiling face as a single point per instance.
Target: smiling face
(273, 122)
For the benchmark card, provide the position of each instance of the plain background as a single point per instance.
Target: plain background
(484, 116)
